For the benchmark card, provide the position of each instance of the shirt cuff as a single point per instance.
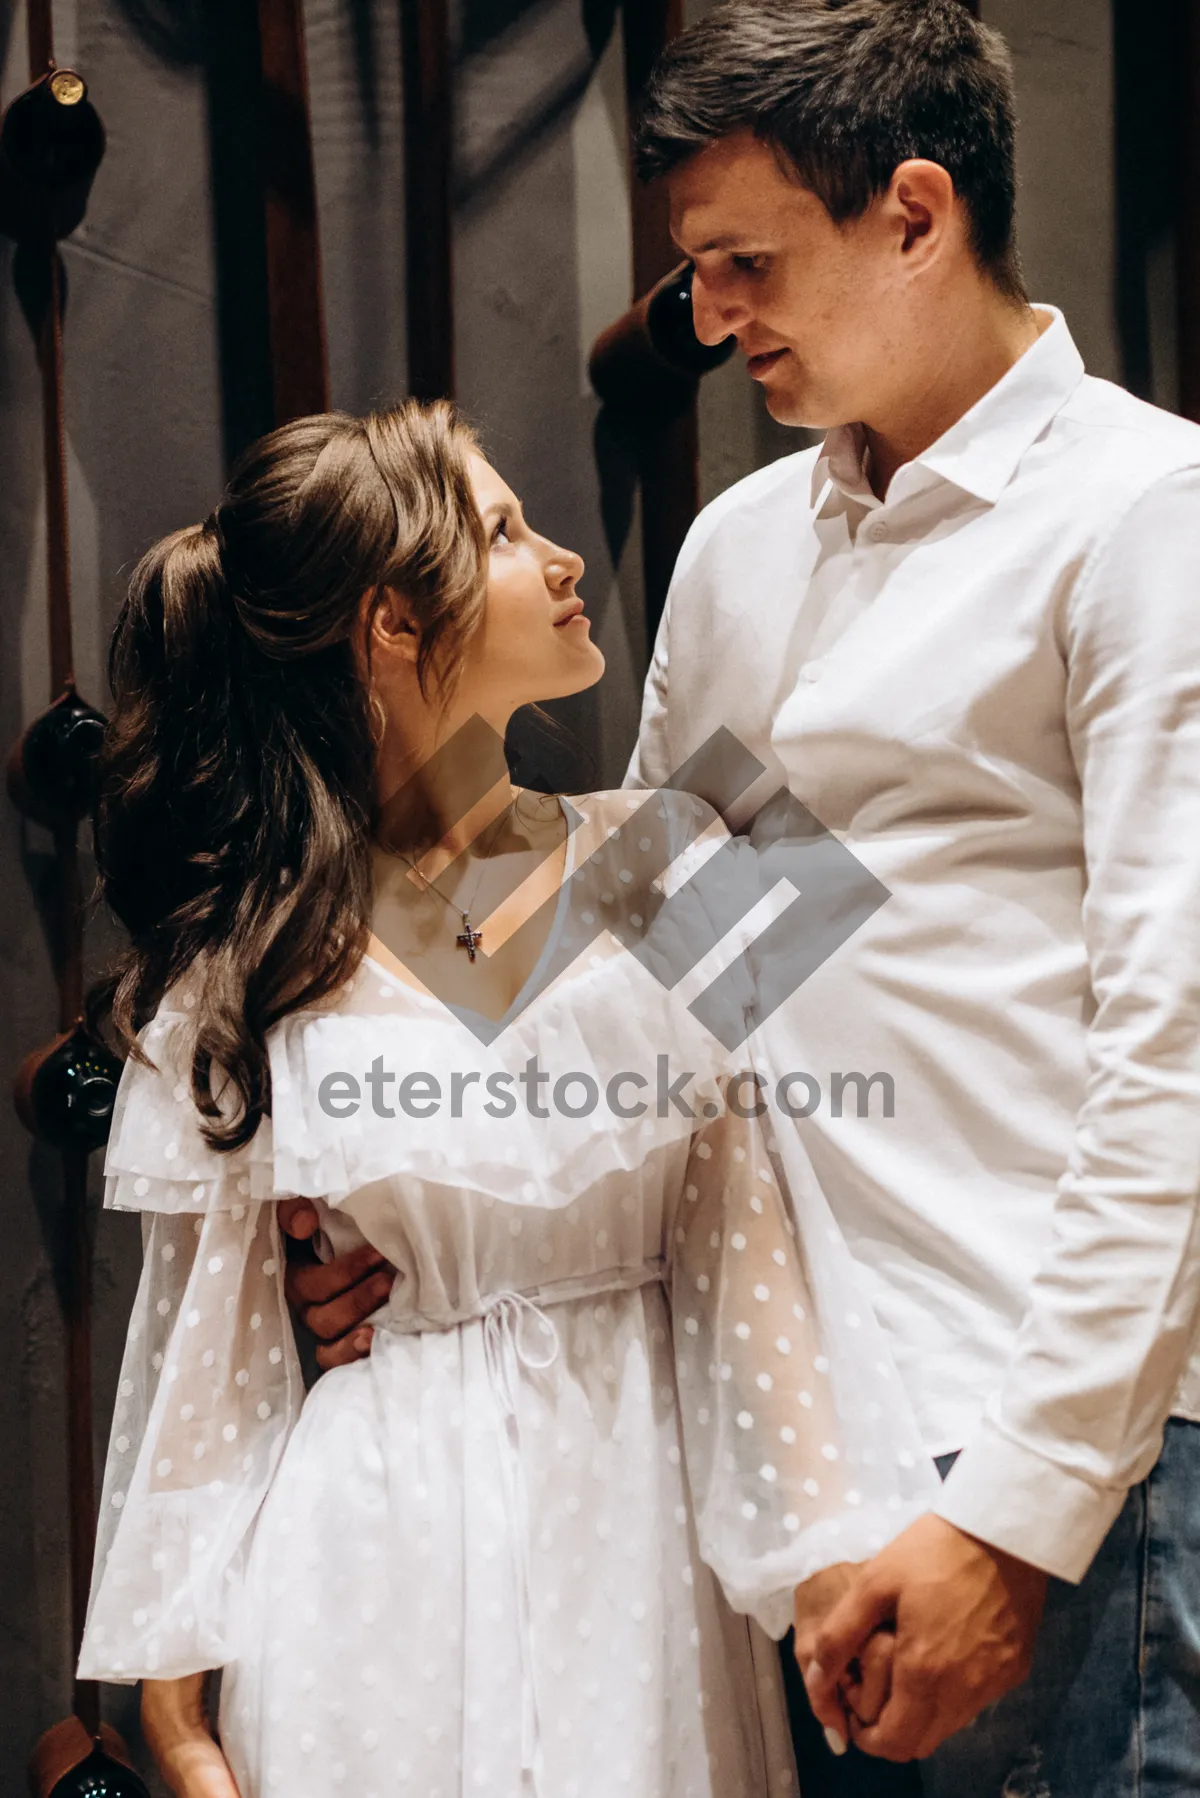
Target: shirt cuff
(1016, 1500)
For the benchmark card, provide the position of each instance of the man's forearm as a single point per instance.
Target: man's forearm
(1114, 1308)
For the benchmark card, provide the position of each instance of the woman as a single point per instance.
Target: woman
(481, 1560)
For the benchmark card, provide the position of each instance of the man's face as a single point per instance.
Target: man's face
(815, 307)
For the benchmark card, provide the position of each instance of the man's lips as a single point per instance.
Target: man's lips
(758, 365)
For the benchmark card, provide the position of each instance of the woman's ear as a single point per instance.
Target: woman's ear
(394, 627)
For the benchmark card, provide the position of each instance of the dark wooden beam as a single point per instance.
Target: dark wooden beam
(295, 303)
(648, 25)
(670, 453)
(1187, 208)
(428, 159)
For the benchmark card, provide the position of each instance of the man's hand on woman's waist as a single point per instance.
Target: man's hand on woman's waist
(332, 1298)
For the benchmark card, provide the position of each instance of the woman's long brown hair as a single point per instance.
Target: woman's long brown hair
(237, 799)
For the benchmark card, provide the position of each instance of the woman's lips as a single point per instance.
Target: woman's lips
(757, 366)
(573, 617)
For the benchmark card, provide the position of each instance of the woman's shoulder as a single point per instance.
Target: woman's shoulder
(158, 1158)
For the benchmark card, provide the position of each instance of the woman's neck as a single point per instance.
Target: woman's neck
(440, 795)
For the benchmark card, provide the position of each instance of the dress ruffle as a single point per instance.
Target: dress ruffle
(158, 1160)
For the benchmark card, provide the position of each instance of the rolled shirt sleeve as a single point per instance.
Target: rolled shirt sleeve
(1113, 1313)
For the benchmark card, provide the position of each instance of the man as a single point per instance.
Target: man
(964, 631)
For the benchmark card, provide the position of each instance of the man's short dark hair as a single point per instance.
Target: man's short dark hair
(844, 91)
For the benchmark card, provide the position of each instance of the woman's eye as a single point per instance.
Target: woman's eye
(500, 534)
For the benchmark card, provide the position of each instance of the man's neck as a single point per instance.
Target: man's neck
(988, 335)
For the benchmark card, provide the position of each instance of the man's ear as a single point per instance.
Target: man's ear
(921, 205)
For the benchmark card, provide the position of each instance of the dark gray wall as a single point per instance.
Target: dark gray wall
(542, 248)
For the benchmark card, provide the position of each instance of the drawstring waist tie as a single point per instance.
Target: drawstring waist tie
(518, 1334)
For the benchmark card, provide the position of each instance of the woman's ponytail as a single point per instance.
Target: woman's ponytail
(193, 594)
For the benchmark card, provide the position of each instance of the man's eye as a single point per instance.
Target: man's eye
(750, 264)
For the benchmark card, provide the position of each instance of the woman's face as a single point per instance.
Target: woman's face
(534, 641)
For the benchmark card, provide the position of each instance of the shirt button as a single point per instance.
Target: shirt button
(875, 529)
(811, 671)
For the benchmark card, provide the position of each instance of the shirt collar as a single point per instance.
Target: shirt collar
(981, 450)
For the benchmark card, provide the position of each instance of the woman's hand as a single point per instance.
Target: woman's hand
(867, 1684)
(177, 1734)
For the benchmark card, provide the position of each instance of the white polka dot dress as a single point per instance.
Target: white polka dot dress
(623, 1397)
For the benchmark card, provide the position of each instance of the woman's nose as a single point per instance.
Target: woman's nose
(565, 567)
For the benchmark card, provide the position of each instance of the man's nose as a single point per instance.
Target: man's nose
(712, 318)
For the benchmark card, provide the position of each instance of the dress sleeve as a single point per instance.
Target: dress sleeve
(209, 1390)
(801, 1449)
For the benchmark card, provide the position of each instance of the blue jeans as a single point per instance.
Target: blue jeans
(1112, 1706)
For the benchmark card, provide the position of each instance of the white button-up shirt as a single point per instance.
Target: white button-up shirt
(988, 687)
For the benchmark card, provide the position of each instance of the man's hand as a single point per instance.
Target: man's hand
(965, 1616)
(332, 1298)
(863, 1691)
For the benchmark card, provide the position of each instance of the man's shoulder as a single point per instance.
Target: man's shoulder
(777, 490)
(1129, 443)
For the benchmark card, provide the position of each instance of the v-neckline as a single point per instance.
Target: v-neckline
(516, 1003)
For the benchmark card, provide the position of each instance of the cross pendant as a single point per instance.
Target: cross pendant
(469, 937)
